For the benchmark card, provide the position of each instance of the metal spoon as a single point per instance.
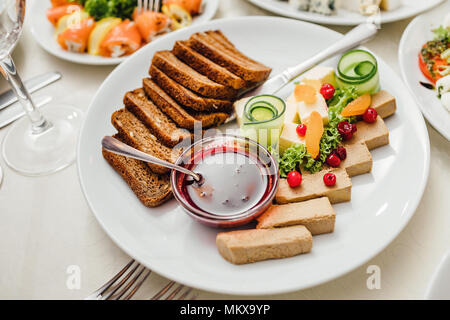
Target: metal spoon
(115, 146)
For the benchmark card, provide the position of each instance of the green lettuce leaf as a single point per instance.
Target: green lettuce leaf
(296, 156)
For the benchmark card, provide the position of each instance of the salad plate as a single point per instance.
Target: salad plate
(418, 32)
(343, 17)
(43, 32)
(172, 244)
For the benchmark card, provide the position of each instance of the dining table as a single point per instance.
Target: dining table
(47, 229)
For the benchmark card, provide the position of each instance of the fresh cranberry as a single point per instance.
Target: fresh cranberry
(353, 127)
(333, 160)
(370, 115)
(346, 129)
(301, 130)
(329, 179)
(294, 179)
(327, 91)
(341, 152)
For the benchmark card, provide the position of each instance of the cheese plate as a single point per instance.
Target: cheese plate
(344, 16)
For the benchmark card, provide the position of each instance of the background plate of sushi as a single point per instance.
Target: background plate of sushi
(79, 31)
(346, 12)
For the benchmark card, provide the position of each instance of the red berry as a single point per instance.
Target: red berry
(327, 91)
(329, 179)
(294, 179)
(370, 115)
(341, 152)
(301, 130)
(346, 129)
(333, 160)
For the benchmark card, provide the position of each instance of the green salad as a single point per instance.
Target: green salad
(296, 156)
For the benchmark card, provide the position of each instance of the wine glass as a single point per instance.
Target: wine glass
(38, 143)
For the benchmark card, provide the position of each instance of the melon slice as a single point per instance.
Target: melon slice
(358, 106)
(314, 134)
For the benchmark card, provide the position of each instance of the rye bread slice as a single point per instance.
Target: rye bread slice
(206, 67)
(214, 50)
(137, 135)
(182, 117)
(218, 36)
(189, 78)
(185, 96)
(150, 188)
(160, 125)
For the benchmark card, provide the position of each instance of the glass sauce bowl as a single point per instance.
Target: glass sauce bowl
(240, 179)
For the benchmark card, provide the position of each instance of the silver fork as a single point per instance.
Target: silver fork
(123, 287)
(150, 5)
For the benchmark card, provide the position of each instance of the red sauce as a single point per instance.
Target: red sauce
(235, 180)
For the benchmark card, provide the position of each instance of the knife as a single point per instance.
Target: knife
(353, 38)
(7, 98)
(16, 111)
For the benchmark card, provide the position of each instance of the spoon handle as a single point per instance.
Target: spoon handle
(118, 147)
(353, 38)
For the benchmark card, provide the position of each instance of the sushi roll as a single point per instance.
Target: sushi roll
(151, 23)
(73, 31)
(122, 40)
(56, 13)
(101, 30)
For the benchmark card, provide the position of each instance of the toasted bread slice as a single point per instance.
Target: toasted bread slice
(229, 59)
(182, 117)
(206, 67)
(317, 215)
(189, 78)
(160, 125)
(247, 246)
(137, 135)
(312, 186)
(150, 188)
(187, 97)
(218, 36)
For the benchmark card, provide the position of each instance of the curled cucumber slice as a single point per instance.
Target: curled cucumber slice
(358, 68)
(263, 108)
(263, 118)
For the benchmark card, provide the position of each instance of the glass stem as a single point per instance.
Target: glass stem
(38, 123)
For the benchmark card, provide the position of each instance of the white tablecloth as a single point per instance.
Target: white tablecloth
(46, 225)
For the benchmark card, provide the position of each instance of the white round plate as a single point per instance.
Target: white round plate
(416, 34)
(172, 244)
(439, 287)
(43, 30)
(344, 17)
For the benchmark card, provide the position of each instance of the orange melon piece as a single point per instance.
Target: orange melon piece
(358, 106)
(305, 93)
(314, 134)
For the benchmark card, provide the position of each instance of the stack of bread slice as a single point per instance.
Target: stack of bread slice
(287, 227)
(192, 86)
